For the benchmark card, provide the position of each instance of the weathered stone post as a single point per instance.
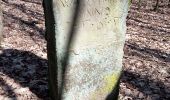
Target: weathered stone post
(85, 40)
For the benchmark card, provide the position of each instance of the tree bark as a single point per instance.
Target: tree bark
(85, 40)
(157, 5)
(139, 4)
(1, 23)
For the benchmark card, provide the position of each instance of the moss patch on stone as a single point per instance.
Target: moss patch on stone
(109, 85)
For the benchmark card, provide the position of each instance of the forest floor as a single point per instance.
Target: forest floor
(23, 62)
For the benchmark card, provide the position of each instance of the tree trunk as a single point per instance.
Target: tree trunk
(1, 23)
(85, 40)
(156, 6)
(139, 4)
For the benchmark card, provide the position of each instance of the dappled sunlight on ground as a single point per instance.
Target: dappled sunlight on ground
(147, 53)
